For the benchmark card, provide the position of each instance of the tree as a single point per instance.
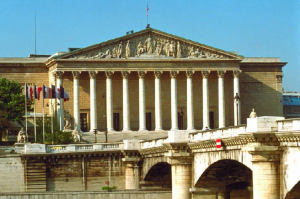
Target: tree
(12, 101)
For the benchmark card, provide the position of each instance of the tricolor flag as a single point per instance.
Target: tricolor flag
(29, 92)
(66, 96)
(37, 92)
(46, 92)
(147, 9)
(53, 92)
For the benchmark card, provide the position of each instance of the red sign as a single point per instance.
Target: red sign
(218, 143)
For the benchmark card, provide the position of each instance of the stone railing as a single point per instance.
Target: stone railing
(218, 133)
(69, 148)
(292, 124)
(153, 143)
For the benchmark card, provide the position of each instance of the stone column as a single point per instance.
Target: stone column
(60, 111)
(174, 119)
(142, 103)
(126, 114)
(93, 101)
(132, 173)
(236, 93)
(76, 103)
(158, 121)
(266, 172)
(205, 94)
(189, 100)
(109, 101)
(181, 169)
(221, 99)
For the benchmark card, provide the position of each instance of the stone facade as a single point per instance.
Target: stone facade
(257, 83)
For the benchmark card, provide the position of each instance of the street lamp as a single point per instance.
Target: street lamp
(95, 132)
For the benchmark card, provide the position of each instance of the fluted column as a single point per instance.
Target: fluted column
(174, 119)
(205, 94)
(221, 99)
(142, 103)
(126, 114)
(76, 103)
(93, 104)
(189, 100)
(236, 96)
(158, 121)
(109, 101)
(60, 111)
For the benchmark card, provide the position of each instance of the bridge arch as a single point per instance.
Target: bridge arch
(159, 176)
(149, 162)
(202, 161)
(294, 193)
(226, 178)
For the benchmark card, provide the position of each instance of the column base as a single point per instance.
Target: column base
(158, 129)
(143, 130)
(126, 131)
(206, 129)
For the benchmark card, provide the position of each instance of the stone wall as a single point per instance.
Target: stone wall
(11, 174)
(91, 195)
(84, 173)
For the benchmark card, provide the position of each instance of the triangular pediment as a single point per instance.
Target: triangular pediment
(149, 43)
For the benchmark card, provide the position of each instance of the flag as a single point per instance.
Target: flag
(30, 92)
(66, 96)
(27, 91)
(53, 91)
(147, 9)
(37, 92)
(45, 92)
(61, 92)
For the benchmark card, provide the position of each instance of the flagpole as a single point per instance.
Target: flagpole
(26, 111)
(43, 117)
(34, 119)
(52, 121)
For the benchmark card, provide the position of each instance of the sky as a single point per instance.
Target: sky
(253, 28)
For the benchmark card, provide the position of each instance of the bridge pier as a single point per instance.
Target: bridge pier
(132, 173)
(181, 166)
(266, 173)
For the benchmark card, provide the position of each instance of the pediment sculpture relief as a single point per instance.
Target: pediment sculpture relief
(152, 46)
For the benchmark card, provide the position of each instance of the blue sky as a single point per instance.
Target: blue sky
(253, 28)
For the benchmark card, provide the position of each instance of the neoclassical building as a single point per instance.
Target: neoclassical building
(152, 80)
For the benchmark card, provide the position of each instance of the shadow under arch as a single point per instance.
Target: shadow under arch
(228, 178)
(158, 177)
(294, 193)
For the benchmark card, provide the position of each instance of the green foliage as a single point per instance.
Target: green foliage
(59, 137)
(12, 101)
(108, 188)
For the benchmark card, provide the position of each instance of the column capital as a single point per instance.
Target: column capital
(93, 74)
(236, 73)
(141, 74)
(173, 74)
(125, 74)
(221, 73)
(189, 73)
(58, 74)
(109, 74)
(76, 74)
(205, 73)
(157, 74)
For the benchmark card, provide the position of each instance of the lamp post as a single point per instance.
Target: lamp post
(95, 132)
(237, 101)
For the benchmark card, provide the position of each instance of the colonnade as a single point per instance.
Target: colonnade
(158, 104)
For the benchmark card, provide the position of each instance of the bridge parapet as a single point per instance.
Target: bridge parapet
(153, 143)
(69, 148)
(292, 124)
(218, 133)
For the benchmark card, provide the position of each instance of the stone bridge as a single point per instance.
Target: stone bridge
(259, 160)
